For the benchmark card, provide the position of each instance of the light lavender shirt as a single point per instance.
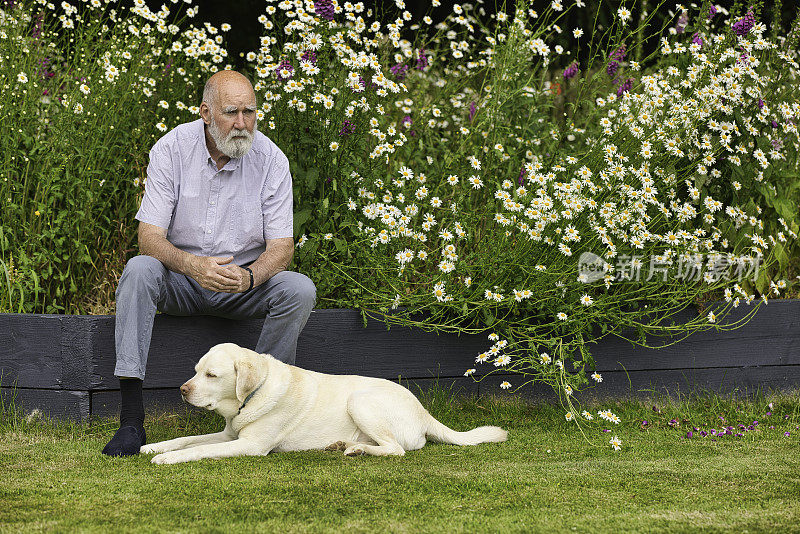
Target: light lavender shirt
(210, 212)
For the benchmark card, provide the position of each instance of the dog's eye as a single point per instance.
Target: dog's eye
(211, 375)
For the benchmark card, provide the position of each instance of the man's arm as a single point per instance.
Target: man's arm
(275, 258)
(210, 272)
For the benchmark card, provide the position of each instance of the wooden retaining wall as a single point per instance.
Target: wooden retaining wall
(64, 365)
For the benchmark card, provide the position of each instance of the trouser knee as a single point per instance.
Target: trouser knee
(141, 273)
(298, 289)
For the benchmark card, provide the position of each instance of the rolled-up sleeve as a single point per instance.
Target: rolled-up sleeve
(276, 199)
(158, 201)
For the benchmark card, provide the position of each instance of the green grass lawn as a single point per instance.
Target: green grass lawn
(546, 478)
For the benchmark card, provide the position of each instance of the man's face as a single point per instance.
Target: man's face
(232, 119)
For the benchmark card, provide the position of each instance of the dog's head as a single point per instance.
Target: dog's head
(224, 377)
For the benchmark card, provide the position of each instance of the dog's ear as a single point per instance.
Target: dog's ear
(250, 372)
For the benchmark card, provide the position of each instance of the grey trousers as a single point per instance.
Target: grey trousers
(285, 301)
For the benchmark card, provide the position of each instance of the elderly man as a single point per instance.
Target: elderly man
(215, 237)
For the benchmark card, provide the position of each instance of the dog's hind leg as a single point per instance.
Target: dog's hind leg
(371, 416)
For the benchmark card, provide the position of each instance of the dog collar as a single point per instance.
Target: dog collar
(250, 396)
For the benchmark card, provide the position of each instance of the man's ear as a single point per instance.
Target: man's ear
(250, 373)
(205, 113)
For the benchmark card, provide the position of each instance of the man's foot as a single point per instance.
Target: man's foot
(126, 442)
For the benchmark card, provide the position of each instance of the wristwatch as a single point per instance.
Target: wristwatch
(251, 278)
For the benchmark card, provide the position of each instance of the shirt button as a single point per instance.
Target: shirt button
(208, 232)
(213, 202)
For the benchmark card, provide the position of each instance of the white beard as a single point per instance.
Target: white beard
(230, 145)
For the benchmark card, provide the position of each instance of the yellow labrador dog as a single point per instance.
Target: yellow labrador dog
(271, 406)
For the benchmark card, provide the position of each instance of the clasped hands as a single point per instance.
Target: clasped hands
(219, 274)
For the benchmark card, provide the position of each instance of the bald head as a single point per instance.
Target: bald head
(230, 114)
(224, 82)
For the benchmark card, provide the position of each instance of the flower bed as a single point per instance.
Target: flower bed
(495, 173)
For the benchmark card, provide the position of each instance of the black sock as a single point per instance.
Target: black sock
(131, 412)
(131, 436)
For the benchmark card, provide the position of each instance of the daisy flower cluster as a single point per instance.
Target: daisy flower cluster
(683, 168)
(440, 181)
(142, 51)
(295, 69)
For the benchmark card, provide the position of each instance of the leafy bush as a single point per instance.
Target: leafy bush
(89, 88)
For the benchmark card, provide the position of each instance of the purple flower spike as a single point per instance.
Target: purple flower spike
(619, 54)
(683, 21)
(309, 55)
(697, 39)
(399, 71)
(347, 128)
(625, 87)
(743, 26)
(472, 110)
(689, 435)
(612, 68)
(422, 60)
(571, 71)
(324, 8)
(288, 67)
(521, 175)
(712, 12)
(786, 434)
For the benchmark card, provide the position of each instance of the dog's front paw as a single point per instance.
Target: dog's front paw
(338, 446)
(152, 448)
(174, 457)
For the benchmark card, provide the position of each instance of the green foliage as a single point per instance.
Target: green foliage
(84, 99)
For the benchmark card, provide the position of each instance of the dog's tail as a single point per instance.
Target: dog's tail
(483, 434)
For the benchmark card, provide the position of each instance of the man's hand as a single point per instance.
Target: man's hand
(218, 274)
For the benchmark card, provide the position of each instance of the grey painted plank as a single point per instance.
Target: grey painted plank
(336, 342)
(333, 341)
(76, 351)
(30, 351)
(55, 403)
(771, 337)
(51, 351)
